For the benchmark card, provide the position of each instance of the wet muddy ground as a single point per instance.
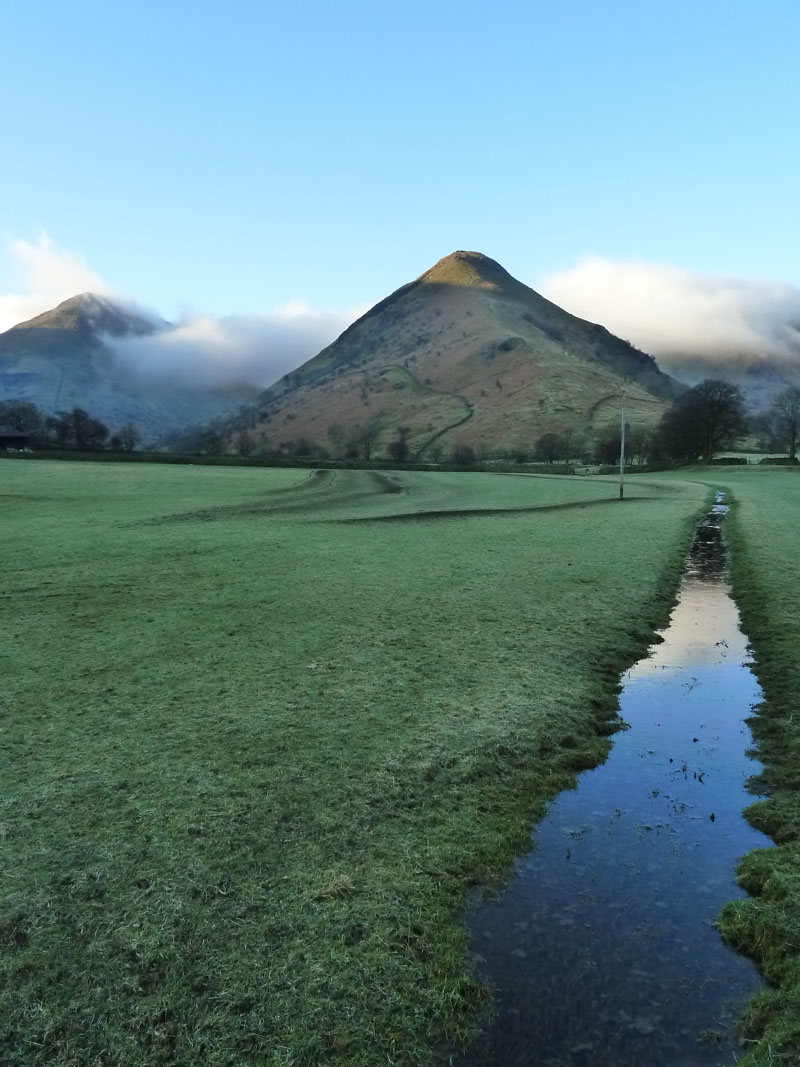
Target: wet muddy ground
(603, 949)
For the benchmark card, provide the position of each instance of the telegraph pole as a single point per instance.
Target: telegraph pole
(622, 450)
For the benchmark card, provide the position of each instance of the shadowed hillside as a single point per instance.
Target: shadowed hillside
(464, 354)
(760, 377)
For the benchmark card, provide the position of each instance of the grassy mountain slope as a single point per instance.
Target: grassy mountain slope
(465, 353)
(61, 359)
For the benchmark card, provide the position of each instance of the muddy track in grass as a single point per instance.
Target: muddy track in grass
(283, 498)
(322, 488)
(468, 513)
(332, 491)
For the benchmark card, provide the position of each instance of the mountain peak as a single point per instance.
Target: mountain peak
(88, 303)
(470, 269)
(85, 300)
(91, 314)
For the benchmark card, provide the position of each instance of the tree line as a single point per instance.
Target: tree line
(75, 429)
(705, 419)
(709, 418)
(356, 442)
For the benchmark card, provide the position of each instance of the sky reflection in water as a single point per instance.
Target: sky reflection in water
(603, 948)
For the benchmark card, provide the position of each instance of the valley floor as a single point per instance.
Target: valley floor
(263, 729)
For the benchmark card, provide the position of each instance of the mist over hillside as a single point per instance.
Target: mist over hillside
(696, 325)
(126, 363)
(235, 349)
(66, 358)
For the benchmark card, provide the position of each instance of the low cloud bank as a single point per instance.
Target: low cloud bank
(241, 349)
(671, 312)
(203, 351)
(677, 315)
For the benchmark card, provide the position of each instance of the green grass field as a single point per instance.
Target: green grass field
(262, 729)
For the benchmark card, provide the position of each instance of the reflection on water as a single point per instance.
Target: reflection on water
(603, 948)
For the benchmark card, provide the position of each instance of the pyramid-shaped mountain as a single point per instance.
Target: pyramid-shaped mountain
(90, 316)
(466, 354)
(64, 358)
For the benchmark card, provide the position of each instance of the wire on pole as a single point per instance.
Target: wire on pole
(622, 450)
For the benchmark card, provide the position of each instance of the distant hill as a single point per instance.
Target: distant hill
(464, 354)
(63, 359)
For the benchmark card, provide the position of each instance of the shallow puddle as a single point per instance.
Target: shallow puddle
(603, 949)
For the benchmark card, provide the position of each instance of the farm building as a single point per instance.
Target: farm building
(14, 441)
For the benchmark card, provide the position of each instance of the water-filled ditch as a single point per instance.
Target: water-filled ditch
(602, 949)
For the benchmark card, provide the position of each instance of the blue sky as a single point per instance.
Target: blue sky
(234, 158)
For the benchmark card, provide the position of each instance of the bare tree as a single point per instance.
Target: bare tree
(705, 419)
(607, 444)
(549, 447)
(243, 443)
(363, 440)
(77, 429)
(20, 415)
(58, 429)
(336, 436)
(369, 437)
(129, 437)
(399, 448)
(305, 448)
(95, 434)
(638, 443)
(463, 455)
(80, 427)
(786, 415)
(574, 443)
(213, 443)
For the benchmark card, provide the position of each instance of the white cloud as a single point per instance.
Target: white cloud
(252, 349)
(44, 275)
(666, 310)
(669, 311)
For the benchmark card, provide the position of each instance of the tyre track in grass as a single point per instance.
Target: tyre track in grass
(289, 498)
(467, 513)
(321, 489)
(325, 489)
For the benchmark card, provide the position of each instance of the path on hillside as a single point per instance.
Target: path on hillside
(437, 392)
(428, 389)
(630, 400)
